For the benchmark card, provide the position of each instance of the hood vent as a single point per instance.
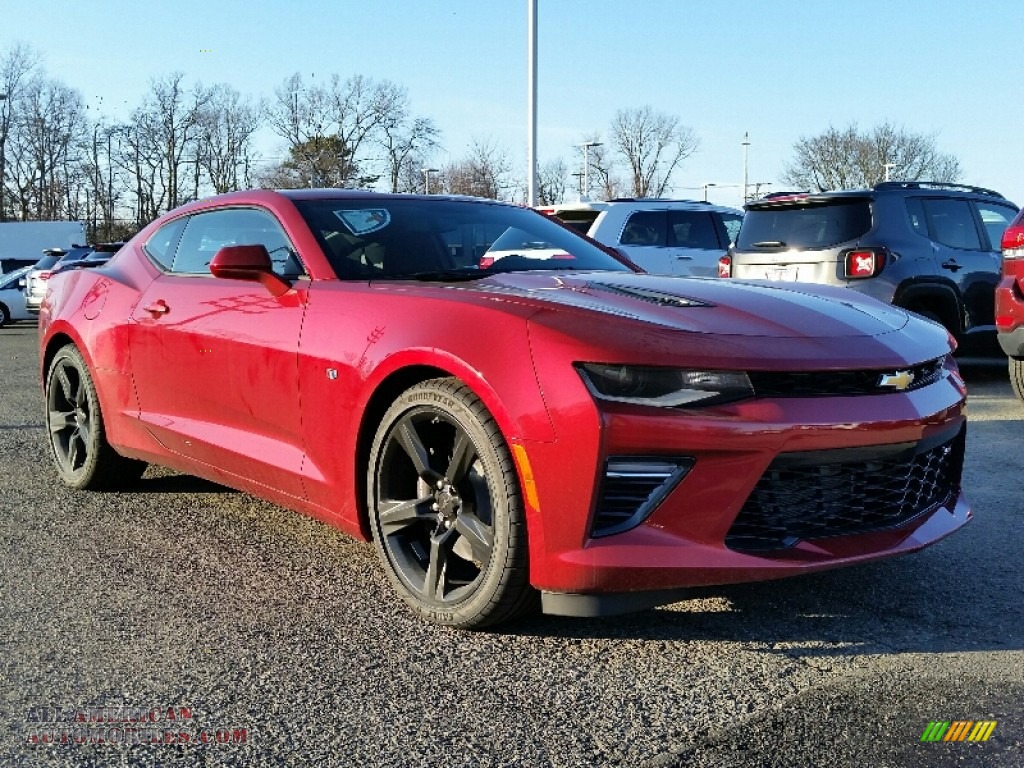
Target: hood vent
(661, 298)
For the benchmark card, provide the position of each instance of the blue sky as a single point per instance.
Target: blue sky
(780, 70)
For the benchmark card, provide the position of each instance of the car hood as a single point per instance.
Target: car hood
(711, 306)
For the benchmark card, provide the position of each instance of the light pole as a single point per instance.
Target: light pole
(888, 167)
(531, 103)
(746, 162)
(586, 165)
(709, 184)
(426, 178)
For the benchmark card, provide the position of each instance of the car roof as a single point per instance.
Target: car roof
(646, 203)
(928, 187)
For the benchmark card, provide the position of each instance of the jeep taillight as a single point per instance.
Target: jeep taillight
(725, 267)
(863, 262)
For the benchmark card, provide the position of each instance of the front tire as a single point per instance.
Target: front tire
(78, 441)
(446, 509)
(1017, 377)
(5, 315)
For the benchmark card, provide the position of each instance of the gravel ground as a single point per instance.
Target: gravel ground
(186, 596)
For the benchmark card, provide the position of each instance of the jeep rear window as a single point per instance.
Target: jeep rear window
(806, 226)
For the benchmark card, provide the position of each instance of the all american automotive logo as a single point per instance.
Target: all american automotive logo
(959, 730)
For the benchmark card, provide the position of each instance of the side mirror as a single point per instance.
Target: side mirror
(248, 262)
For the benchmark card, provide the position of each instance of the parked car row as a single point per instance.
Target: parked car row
(936, 249)
(56, 260)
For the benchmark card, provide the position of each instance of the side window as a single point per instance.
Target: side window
(164, 241)
(207, 233)
(995, 219)
(915, 214)
(731, 222)
(692, 229)
(952, 223)
(645, 228)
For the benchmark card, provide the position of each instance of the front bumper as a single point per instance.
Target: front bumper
(683, 543)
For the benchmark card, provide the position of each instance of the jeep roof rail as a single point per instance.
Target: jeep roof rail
(936, 185)
(657, 200)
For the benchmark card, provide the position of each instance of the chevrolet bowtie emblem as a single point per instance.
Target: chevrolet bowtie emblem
(899, 380)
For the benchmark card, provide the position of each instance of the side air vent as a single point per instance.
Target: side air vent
(660, 298)
(632, 488)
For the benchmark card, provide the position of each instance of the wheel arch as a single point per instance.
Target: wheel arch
(935, 296)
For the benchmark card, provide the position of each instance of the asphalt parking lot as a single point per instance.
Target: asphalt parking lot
(202, 611)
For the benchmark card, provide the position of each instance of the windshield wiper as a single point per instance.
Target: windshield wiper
(768, 244)
(446, 275)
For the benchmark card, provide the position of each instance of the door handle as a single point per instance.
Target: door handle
(684, 256)
(951, 264)
(158, 308)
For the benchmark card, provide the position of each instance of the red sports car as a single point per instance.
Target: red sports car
(511, 429)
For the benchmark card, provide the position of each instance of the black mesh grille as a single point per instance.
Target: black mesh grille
(824, 383)
(834, 493)
(632, 487)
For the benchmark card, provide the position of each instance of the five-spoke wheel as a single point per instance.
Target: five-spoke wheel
(446, 509)
(75, 426)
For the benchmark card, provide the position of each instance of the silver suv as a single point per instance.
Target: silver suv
(667, 237)
(928, 247)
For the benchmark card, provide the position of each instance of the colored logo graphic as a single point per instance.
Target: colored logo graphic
(958, 730)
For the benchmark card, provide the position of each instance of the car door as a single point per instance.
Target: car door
(962, 254)
(215, 360)
(693, 243)
(644, 240)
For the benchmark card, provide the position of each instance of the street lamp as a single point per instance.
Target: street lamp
(586, 165)
(426, 178)
(709, 184)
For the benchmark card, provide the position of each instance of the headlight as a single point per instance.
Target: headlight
(664, 387)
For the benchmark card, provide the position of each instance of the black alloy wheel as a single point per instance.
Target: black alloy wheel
(446, 509)
(78, 440)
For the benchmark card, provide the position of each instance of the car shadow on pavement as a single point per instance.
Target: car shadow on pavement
(159, 480)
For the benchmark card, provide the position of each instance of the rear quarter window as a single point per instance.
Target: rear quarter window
(808, 226)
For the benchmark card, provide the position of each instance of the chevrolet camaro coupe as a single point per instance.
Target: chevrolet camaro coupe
(548, 429)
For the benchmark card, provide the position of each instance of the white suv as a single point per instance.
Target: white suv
(667, 237)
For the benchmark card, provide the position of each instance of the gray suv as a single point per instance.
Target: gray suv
(928, 247)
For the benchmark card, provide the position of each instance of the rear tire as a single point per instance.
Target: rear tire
(78, 440)
(5, 315)
(446, 509)
(1017, 377)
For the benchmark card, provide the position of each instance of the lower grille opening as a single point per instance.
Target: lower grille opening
(818, 495)
(631, 489)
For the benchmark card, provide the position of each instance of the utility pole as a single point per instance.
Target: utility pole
(746, 163)
(531, 102)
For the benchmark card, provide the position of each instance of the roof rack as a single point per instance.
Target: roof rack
(936, 185)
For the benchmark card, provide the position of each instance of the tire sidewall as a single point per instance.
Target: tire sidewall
(504, 500)
(83, 476)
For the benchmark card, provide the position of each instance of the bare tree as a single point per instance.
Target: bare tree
(848, 159)
(311, 117)
(485, 172)
(653, 145)
(402, 137)
(551, 182)
(160, 146)
(16, 68)
(228, 124)
(46, 136)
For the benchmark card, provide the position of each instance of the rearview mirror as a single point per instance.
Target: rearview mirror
(248, 262)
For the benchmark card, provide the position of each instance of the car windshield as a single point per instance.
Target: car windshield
(392, 238)
(805, 226)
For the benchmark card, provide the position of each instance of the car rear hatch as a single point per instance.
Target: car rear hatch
(800, 237)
